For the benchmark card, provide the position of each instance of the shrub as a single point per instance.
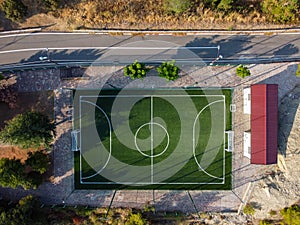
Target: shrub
(14, 9)
(12, 174)
(291, 215)
(168, 70)
(51, 5)
(136, 219)
(249, 210)
(176, 6)
(28, 130)
(225, 5)
(242, 71)
(272, 213)
(1, 76)
(298, 71)
(136, 70)
(281, 11)
(265, 222)
(38, 161)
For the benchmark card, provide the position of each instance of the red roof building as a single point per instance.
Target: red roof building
(264, 117)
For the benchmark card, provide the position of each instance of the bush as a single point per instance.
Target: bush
(136, 219)
(291, 215)
(27, 211)
(298, 71)
(51, 5)
(136, 70)
(1, 76)
(38, 161)
(265, 222)
(12, 174)
(28, 130)
(281, 11)
(225, 5)
(14, 9)
(176, 6)
(168, 70)
(249, 210)
(242, 71)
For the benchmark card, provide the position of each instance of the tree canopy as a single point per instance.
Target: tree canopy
(28, 130)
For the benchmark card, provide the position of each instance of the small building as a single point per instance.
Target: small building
(264, 122)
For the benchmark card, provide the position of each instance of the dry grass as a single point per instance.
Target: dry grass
(140, 14)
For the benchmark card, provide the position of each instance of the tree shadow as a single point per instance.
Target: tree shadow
(287, 50)
(229, 46)
(187, 202)
(64, 56)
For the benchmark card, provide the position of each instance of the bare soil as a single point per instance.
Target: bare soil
(39, 101)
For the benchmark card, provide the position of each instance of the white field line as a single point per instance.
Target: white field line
(152, 182)
(151, 120)
(110, 145)
(126, 96)
(149, 183)
(103, 48)
(224, 136)
(80, 162)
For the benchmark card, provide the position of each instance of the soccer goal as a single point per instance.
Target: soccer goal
(230, 144)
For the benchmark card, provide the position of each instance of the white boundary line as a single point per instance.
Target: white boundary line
(145, 96)
(145, 183)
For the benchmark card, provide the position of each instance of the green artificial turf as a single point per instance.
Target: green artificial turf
(175, 166)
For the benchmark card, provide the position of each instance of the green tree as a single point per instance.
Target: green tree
(27, 211)
(14, 9)
(30, 129)
(38, 161)
(176, 6)
(168, 70)
(11, 173)
(136, 70)
(291, 215)
(281, 11)
(242, 71)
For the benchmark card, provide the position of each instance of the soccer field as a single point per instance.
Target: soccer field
(152, 139)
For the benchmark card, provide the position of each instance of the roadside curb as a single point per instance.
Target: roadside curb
(191, 32)
(116, 32)
(21, 31)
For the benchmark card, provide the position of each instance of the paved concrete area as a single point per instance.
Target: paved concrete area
(61, 191)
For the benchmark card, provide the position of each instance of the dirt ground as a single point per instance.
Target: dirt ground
(41, 101)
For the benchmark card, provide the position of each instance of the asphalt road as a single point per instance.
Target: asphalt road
(31, 48)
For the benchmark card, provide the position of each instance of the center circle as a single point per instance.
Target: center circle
(151, 124)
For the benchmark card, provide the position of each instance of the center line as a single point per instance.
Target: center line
(151, 124)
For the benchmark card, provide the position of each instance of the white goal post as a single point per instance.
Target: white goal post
(75, 145)
(230, 138)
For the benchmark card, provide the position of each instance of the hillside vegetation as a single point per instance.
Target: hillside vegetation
(151, 14)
